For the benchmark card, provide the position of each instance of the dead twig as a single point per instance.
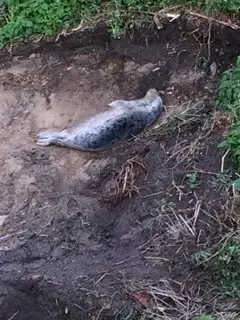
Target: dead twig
(209, 40)
(12, 234)
(196, 213)
(205, 172)
(223, 159)
(124, 185)
(227, 24)
(13, 316)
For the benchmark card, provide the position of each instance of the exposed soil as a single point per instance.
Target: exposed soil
(68, 251)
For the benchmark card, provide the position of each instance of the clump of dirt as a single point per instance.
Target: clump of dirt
(69, 248)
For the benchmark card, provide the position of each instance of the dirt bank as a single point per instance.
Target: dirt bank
(66, 252)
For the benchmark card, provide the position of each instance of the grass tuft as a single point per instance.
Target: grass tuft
(229, 91)
(23, 18)
(222, 264)
(229, 100)
(20, 19)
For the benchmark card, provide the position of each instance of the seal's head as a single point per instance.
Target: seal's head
(152, 93)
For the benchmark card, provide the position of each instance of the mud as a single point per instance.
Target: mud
(66, 253)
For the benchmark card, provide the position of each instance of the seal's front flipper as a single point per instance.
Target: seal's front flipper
(118, 104)
(130, 104)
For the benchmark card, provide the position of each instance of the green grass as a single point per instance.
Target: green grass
(222, 264)
(229, 92)
(229, 100)
(20, 19)
(192, 180)
(206, 318)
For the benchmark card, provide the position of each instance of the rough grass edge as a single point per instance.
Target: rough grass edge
(119, 18)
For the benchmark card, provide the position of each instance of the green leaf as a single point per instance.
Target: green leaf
(237, 152)
(236, 184)
(223, 144)
(206, 318)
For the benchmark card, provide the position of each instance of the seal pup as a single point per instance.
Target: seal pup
(124, 120)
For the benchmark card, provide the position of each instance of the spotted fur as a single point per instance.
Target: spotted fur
(123, 120)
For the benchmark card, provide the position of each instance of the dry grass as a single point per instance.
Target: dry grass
(182, 226)
(185, 118)
(124, 185)
(176, 119)
(180, 118)
(185, 222)
(172, 300)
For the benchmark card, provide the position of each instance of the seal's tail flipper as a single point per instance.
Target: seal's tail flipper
(46, 138)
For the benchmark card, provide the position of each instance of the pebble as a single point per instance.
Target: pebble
(213, 68)
(2, 219)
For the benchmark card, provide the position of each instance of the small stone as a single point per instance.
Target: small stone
(213, 68)
(58, 252)
(44, 83)
(37, 277)
(2, 219)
